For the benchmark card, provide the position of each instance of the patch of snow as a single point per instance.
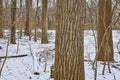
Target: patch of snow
(22, 68)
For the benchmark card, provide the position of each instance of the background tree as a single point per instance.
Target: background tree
(27, 26)
(105, 42)
(13, 17)
(51, 14)
(7, 14)
(21, 13)
(1, 20)
(69, 52)
(36, 22)
(44, 21)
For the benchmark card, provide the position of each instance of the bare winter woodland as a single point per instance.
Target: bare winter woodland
(59, 39)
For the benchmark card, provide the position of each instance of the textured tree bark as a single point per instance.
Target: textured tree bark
(13, 16)
(44, 21)
(105, 42)
(69, 52)
(1, 20)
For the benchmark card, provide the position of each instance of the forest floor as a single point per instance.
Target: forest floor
(40, 57)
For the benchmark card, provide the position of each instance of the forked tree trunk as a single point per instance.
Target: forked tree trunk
(69, 52)
(44, 21)
(1, 20)
(105, 42)
(13, 16)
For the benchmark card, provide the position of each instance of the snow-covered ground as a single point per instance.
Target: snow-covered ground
(22, 68)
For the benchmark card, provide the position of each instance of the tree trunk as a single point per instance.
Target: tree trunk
(27, 26)
(105, 42)
(44, 21)
(13, 16)
(5, 22)
(69, 52)
(30, 19)
(36, 22)
(1, 20)
(21, 13)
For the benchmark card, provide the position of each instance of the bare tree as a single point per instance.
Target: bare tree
(44, 21)
(21, 13)
(1, 20)
(37, 22)
(27, 26)
(13, 17)
(69, 52)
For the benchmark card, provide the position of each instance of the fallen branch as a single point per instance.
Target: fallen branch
(15, 56)
(88, 60)
(116, 67)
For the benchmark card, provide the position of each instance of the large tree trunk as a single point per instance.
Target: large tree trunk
(1, 20)
(105, 42)
(44, 21)
(69, 52)
(13, 16)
